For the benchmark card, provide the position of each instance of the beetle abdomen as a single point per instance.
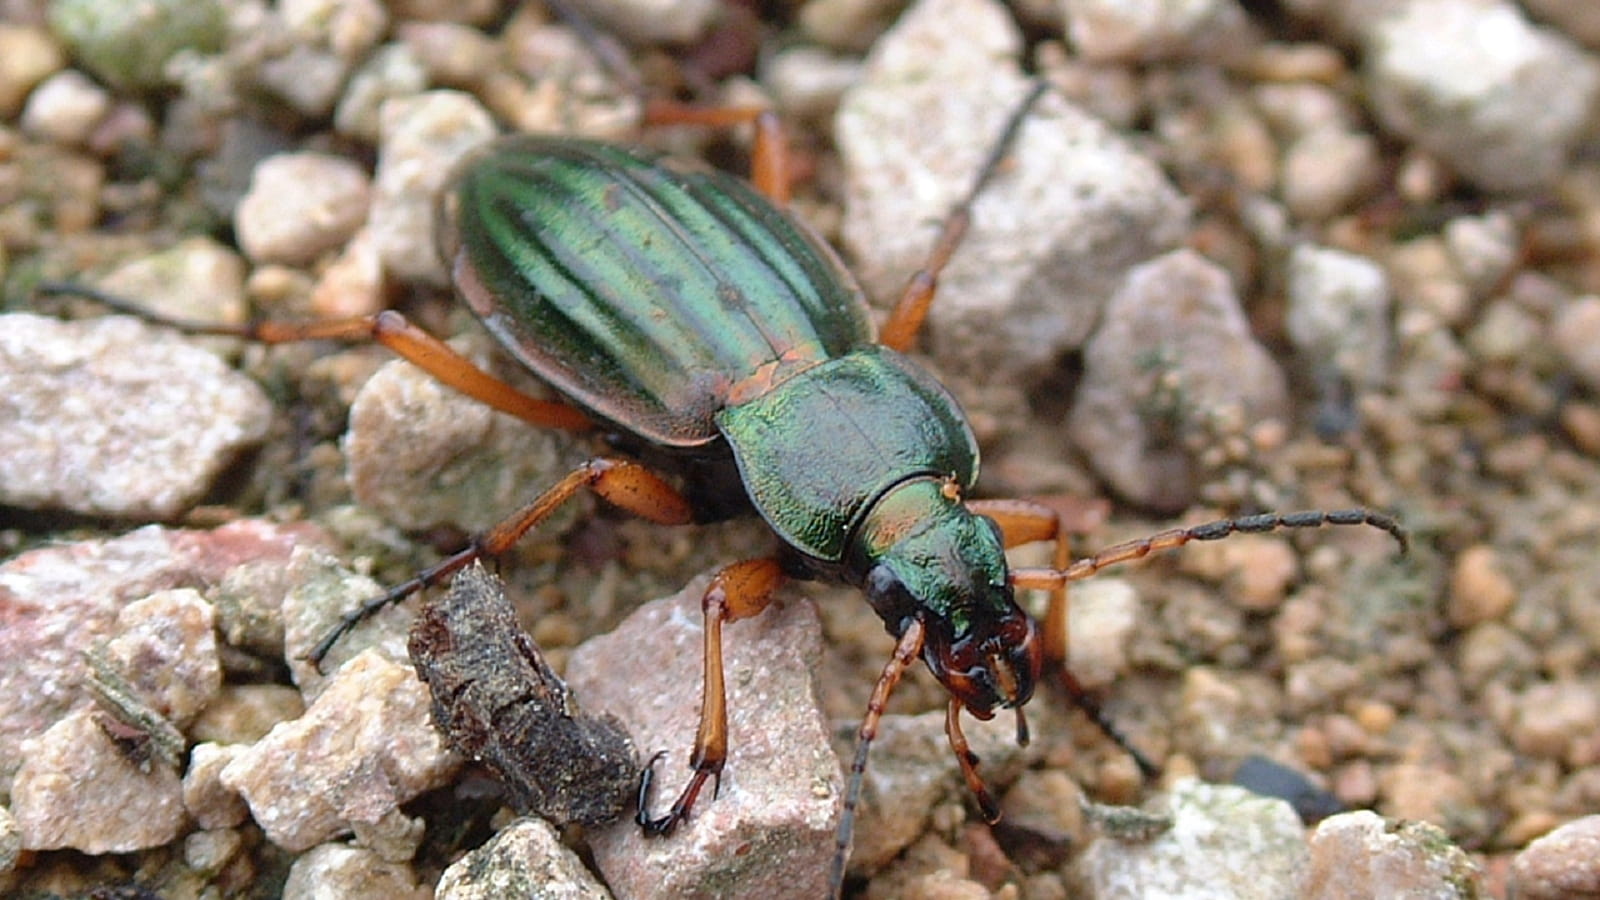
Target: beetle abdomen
(643, 293)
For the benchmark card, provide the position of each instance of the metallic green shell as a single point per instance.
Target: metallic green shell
(644, 293)
(817, 450)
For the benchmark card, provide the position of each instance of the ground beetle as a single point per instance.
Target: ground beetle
(687, 315)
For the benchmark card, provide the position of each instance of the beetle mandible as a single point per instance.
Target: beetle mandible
(689, 316)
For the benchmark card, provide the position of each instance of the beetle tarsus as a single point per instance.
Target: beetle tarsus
(664, 825)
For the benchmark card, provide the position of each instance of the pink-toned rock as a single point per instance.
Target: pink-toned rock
(204, 796)
(1173, 363)
(1556, 717)
(526, 859)
(78, 788)
(352, 873)
(771, 829)
(57, 602)
(1361, 855)
(363, 747)
(1480, 590)
(1562, 865)
(166, 647)
(301, 205)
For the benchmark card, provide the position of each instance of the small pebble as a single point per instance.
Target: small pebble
(392, 71)
(307, 77)
(165, 645)
(809, 82)
(1328, 171)
(1358, 855)
(1506, 333)
(1223, 842)
(28, 55)
(77, 788)
(1576, 334)
(423, 455)
(525, 859)
(655, 21)
(1102, 620)
(204, 797)
(1528, 827)
(1320, 683)
(1425, 793)
(351, 873)
(1339, 309)
(1270, 778)
(322, 590)
(1480, 591)
(1485, 248)
(207, 852)
(350, 28)
(1555, 717)
(352, 285)
(1500, 100)
(1491, 652)
(1042, 815)
(65, 108)
(244, 713)
(128, 45)
(301, 205)
(112, 417)
(1151, 30)
(450, 53)
(1173, 356)
(1258, 568)
(365, 746)
(422, 138)
(848, 26)
(1562, 865)
(1296, 108)
(197, 279)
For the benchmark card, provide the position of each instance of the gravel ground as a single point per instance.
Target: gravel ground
(1244, 256)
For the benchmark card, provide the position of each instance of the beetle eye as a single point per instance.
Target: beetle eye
(889, 598)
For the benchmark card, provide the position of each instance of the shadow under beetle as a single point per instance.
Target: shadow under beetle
(688, 316)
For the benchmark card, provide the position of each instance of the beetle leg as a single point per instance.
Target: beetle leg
(905, 653)
(1023, 522)
(389, 328)
(969, 762)
(622, 483)
(738, 591)
(769, 156)
(905, 320)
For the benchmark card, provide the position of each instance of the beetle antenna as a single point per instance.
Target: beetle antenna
(905, 653)
(131, 308)
(1094, 712)
(605, 47)
(1048, 579)
(1053, 579)
(1002, 146)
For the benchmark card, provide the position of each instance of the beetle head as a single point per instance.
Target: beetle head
(926, 556)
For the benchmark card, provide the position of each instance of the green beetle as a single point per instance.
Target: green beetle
(688, 316)
(687, 312)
